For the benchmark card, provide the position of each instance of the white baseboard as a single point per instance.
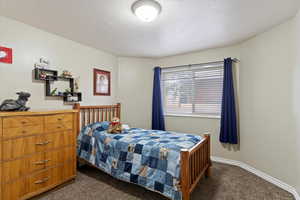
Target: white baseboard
(260, 174)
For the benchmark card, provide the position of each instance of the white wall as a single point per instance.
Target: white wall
(29, 44)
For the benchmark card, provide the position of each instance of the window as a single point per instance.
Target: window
(195, 90)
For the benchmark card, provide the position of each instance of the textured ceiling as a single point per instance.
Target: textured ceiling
(183, 26)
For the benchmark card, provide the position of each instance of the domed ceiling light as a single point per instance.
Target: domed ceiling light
(146, 10)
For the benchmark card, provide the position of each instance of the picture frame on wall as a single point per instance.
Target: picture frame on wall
(6, 55)
(101, 82)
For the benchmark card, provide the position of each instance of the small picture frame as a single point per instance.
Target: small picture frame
(6, 55)
(101, 82)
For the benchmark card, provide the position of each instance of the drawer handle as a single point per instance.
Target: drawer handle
(59, 119)
(23, 122)
(42, 180)
(24, 132)
(42, 162)
(47, 142)
(43, 143)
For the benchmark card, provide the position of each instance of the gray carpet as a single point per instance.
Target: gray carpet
(226, 183)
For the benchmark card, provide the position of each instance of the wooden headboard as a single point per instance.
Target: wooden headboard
(91, 114)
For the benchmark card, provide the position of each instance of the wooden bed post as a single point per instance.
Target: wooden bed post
(185, 175)
(119, 110)
(208, 171)
(77, 107)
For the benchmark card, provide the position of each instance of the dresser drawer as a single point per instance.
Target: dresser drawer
(17, 168)
(26, 187)
(13, 170)
(15, 190)
(69, 170)
(50, 177)
(54, 127)
(58, 118)
(22, 131)
(59, 139)
(40, 180)
(17, 148)
(55, 157)
(10, 122)
(21, 167)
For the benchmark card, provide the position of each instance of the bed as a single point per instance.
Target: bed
(169, 163)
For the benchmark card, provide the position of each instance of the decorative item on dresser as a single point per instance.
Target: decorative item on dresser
(37, 151)
(16, 105)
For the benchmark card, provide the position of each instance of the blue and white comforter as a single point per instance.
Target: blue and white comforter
(149, 158)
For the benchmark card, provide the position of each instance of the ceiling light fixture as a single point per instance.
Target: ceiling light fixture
(146, 10)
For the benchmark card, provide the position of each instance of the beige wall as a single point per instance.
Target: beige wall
(135, 91)
(267, 81)
(29, 44)
(296, 96)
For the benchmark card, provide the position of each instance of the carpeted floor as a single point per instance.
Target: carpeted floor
(226, 183)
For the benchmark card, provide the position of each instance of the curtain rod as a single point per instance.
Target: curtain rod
(208, 63)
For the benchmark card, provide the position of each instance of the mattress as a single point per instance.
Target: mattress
(149, 158)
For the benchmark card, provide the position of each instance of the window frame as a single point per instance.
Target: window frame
(193, 114)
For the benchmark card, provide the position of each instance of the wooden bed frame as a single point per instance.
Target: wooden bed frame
(195, 162)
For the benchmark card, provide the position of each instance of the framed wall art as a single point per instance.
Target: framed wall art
(101, 82)
(6, 55)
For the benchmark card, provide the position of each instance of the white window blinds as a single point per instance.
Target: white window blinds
(193, 90)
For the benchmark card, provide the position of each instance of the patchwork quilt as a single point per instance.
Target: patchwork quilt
(149, 158)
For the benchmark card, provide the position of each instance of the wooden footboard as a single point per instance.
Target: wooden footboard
(195, 163)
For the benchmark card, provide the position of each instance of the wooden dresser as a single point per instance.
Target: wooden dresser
(37, 152)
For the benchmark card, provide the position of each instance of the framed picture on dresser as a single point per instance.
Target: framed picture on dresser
(101, 82)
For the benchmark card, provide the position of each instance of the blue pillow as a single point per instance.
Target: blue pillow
(100, 126)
